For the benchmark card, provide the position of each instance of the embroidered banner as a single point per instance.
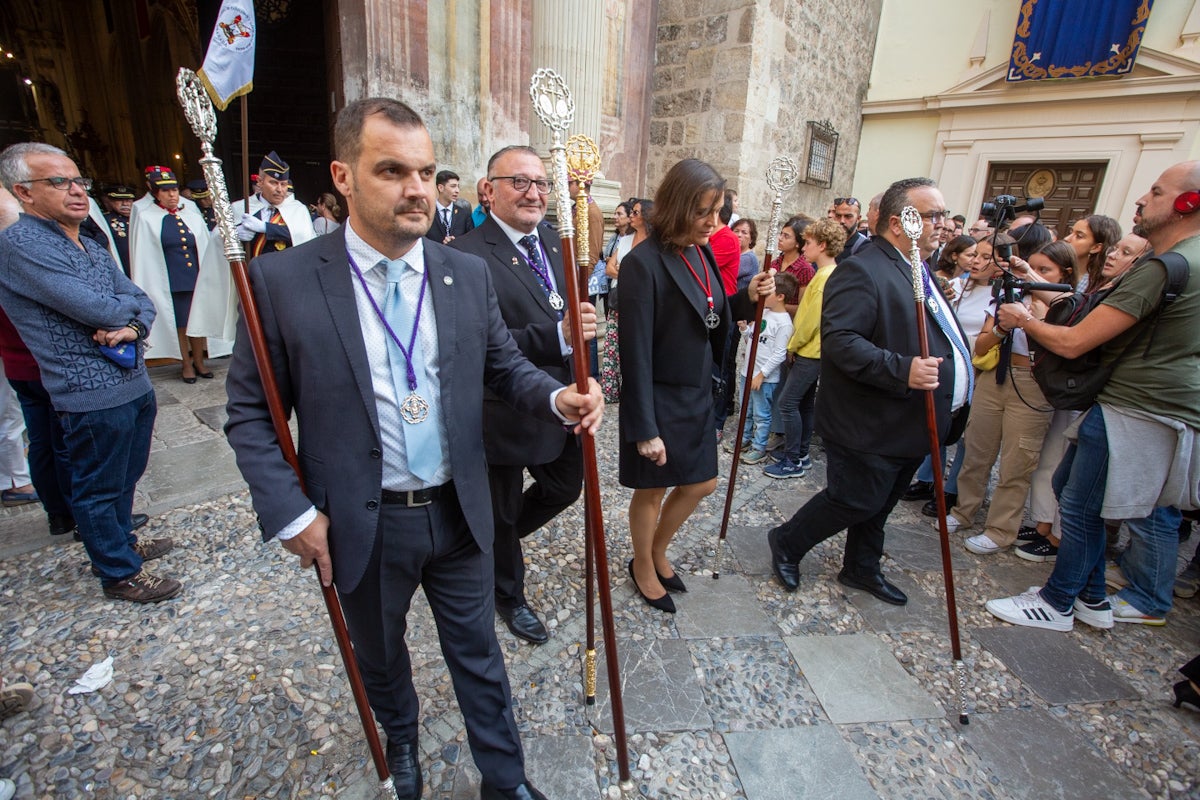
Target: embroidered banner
(1077, 38)
(228, 69)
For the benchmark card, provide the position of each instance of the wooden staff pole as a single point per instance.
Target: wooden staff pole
(198, 110)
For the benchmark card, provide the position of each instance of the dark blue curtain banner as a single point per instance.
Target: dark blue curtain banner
(1058, 39)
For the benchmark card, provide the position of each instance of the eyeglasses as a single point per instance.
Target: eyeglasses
(837, 201)
(977, 229)
(637, 212)
(934, 216)
(61, 183)
(522, 184)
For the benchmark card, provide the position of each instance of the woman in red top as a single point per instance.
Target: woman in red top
(790, 259)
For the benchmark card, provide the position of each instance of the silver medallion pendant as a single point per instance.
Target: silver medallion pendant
(932, 302)
(414, 409)
(556, 301)
(712, 320)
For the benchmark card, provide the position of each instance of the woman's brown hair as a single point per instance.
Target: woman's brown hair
(677, 197)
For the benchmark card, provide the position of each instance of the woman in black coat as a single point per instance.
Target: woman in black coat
(674, 318)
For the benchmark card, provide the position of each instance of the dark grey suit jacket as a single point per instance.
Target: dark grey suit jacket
(868, 342)
(509, 438)
(305, 298)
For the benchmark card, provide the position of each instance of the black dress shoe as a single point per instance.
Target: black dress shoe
(919, 490)
(406, 771)
(930, 508)
(524, 624)
(60, 524)
(139, 520)
(523, 792)
(787, 572)
(208, 376)
(671, 584)
(876, 585)
(664, 603)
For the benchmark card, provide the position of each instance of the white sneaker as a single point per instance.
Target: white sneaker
(952, 524)
(1127, 612)
(1098, 615)
(981, 545)
(1114, 578)
(1030, 610)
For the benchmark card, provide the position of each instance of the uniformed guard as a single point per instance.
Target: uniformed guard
(118, 199)
(203, 200)
(276, 219)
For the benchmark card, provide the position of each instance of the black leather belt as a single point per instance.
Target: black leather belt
(417, 497)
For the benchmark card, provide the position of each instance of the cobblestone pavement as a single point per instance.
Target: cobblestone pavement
(234, 689)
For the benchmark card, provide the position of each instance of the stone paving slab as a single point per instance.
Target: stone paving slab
(791, 495)
(749, 545)
(1016, 747)
(923, 612)
(1053, 665)
(189, 474)
(559, 766)
(811, 763)
(659, 688)
(212, 416)
(857, 679)
(915, 546)
(1015, 575)
(722, 608)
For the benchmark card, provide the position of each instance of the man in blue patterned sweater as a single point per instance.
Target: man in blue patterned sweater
(74, 308)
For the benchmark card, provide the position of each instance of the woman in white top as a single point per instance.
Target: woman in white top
(1008, 419)
(327, 212)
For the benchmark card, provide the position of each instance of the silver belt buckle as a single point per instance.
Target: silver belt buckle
(411, 503)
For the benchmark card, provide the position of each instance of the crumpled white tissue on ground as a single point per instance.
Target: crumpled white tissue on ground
(97, 677)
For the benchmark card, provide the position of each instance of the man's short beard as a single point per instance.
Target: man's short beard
(1140, 230)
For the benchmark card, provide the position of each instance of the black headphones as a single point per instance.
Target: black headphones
(1187, 202)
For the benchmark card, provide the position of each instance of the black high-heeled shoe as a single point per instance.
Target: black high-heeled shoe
(671, 584)
(664, 603)
(1184, 693)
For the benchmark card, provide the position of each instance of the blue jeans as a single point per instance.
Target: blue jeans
(760, 410)
(797, 403)
(1079, 570)
(925, 473)
(49, 464)
(109, 450)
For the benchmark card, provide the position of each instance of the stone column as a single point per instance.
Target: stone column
(569, 38)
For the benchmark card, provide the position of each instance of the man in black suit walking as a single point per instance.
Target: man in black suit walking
(449, 219)
(871, 407)
(523, 256)
(382, 343)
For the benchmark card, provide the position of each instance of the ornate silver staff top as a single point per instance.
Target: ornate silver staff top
(910, 220)
(781, 176)
(555, 107)
(200, 115)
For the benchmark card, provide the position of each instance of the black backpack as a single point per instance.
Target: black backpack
(1072, 384)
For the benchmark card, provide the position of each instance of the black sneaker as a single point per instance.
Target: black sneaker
(1039, 550)
(1028, 533)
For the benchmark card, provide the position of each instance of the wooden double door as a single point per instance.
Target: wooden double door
(1069, 188)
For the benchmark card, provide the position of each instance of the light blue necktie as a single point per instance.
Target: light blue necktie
(422, 443)
(951, 331)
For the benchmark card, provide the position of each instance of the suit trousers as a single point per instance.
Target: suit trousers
(519, 512)
(432, 546)
(861, 489)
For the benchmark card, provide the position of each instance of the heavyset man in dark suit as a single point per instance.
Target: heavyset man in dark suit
(523, 256)
(871, 407)
(405, 505)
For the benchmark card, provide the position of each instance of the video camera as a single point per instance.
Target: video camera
(1005, 207)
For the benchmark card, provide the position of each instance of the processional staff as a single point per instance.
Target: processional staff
(554, 106)
(583, 162)
(913, 226)
(781, 176)
(199, 112)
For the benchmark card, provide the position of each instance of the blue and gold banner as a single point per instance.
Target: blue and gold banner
(1077, 38)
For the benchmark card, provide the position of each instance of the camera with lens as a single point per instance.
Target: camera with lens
(1004, 208)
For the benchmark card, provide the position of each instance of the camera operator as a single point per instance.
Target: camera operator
(1134, 449)
(1009, 418)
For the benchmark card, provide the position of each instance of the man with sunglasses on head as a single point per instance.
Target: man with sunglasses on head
(847, 211)
(74, 307)
(523, 256)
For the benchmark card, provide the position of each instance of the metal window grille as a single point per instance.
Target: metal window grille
(821, 153)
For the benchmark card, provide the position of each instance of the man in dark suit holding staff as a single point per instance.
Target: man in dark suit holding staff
(871, 407)
(382, 342)
(523, 256)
